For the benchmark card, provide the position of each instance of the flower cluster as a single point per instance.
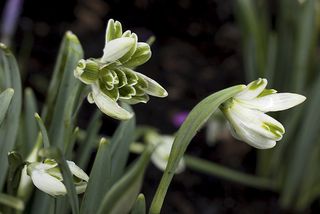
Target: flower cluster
(246, 113)
(47, 177)
(112, 77)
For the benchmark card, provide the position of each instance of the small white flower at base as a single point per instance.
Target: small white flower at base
(47, 177)
(161, 154)
(246, 114)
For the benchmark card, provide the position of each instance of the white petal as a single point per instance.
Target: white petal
(81, 188)
(249, 129)
(274, 102)
(109, 106)
(162, 152)
(254, 139)
(116, 48)
(47, 183)
(257, 121)
(77, 171)
(253, 89)
(154, 88)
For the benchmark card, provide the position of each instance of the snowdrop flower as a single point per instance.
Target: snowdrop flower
(246, 114)
(47, 177)
(112, 77)
(161, 154)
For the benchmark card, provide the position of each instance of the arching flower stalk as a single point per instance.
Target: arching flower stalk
(246, 114)
(112, 77)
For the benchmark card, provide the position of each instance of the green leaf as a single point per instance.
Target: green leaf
(90, 141)
(305, 143)
(100, 179)
(31, 129)
(5, 99)
(63, 92)
(305, 41)
(43, 130)
(16, 165)
(120, 146)
(195, 120)
(123, 194)
(10, 78)
(139, 206)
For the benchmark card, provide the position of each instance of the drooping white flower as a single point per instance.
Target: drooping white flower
(47, 177)
(161, 154)
(246, 113)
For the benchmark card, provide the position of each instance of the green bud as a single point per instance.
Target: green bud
(114, 30)
(140, 56)
(87, 71)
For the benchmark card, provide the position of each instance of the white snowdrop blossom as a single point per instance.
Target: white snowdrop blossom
(47, 177)
(246, 114)
(112, 77)
(161, 154)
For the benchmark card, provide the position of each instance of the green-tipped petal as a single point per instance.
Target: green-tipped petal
(114, 30)
(154, 88)
(117, 48)
(133, 49)
(140, 56)
(87, 71)
(253, 89)
(109, 106)
(77, 171)
(137, 99)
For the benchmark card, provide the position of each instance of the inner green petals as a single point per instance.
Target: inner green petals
(275, 130)
(256, 84)
(266, 92)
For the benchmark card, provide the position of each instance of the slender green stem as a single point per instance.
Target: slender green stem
(11, 201)
(208, 167)
(214, 169)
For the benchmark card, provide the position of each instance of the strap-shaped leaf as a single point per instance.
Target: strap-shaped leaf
(120, 146)
(10, 78)
(43, 131)
(139, 206)
(90, 141)
(123, 194)
(100, 179)
(31, 129)
(195, 120)
(16, 165)
(64, 88)
(5, 99)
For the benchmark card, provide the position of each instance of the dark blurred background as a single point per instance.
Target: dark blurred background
(197, 52)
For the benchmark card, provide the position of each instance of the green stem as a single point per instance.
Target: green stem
(11, 201)
(214, 169)
(210, 168)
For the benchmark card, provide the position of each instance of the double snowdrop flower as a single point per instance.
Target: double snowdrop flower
(112, 77)
(246, 114)
(160, 156)
(47, 177)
